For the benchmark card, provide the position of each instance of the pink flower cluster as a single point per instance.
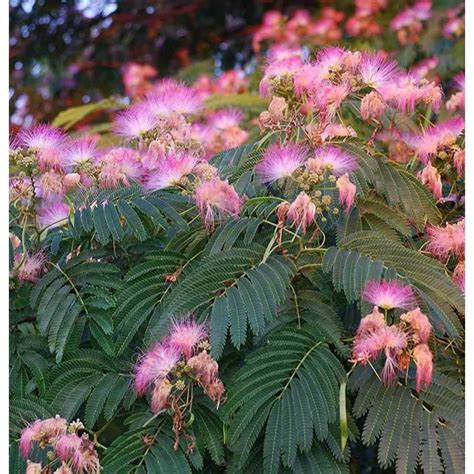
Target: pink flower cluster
(137, 79)
(408, 23)
(397, 343)
(299, 28)
(448, 241)
(76, 452)
(363, 22)
(233, 81)
(338, 75)
(174, 364)
(167, 138)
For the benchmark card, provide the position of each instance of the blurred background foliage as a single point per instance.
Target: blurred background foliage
(65, 53)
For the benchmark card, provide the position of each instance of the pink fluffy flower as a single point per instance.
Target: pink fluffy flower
(53, 215)
(389, 294)
(67, 446)
(216, 196)
(171, 97)
(372, 106)
(431, 178)
(29, 435)
(371, 322)
(459, 276)
(377, 71)
(70, 181)
(457, 100)
(79, 152)
(185, 335)
(337, 130)
(51, 186)
(281, 51)
(48, 142)
(435, 137)
(333, 159)
(205, 368)
(447, 240)
(79, 451)
(392, 342)
(424, 366)
(233, 81)
(328, 98)
(280, 161)
(119, 166)
(31, 267)
(347, 192)
(422, 68)
(419, 323)
(302, 211)
(136, 78)
(33, 467)
(458, 162)
(85, 458)
(41, 137)
(225, 118)
(278, 70)
(41, 431)
(160, 394)
(63, 469)
(135, 121)
(155, 364)
(169, 171)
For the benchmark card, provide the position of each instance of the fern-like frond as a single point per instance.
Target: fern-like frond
(288, 390)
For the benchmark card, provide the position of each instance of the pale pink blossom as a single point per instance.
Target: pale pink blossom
(51, 186)
(333, 159)
(420, 324)
(71, 180)
(186, 335)
(280, 161)
(377, 71)
(204, 366)
(435, 137)
(337, 130)
(278, 70)
(216, 197)
(79, 152)
(33, 467)
(424, 366)
(458, 162)
(302, 212)
(371, 322)
(135, 121)
(119, 166)
(63, 469)
(31, 267)
(15, 241)
(389, 294)
(459, 276)
(170, 169)
(372, 106)
(136, 78)
(159, 395)
(155, 364)
(447, 240)
(67, 445)
(205, 369)
(431, 178)
(41, 431)
(171, 97)
(53, 215)
(347, 192)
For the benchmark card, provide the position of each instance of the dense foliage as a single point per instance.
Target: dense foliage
(219, 280)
